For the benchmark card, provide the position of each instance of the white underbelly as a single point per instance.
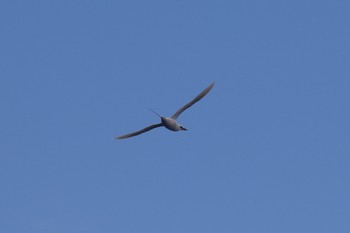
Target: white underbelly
(171, 124)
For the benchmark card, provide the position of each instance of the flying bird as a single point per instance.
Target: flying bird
(170, 122)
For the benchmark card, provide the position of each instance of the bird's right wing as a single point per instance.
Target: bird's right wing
(140, 131)
(198, 97)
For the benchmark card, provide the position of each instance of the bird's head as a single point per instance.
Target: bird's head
(183, 128)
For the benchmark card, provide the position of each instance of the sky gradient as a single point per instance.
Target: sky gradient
(267, 150)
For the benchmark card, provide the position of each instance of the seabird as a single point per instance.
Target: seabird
(170, 122)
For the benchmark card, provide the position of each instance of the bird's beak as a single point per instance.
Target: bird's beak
(182, 128)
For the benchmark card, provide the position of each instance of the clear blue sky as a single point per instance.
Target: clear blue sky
(267, 149)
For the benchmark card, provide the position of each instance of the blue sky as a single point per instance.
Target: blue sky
(267, 149)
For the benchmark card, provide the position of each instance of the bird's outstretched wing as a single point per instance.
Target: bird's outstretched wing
(198, 97)
(140, 131)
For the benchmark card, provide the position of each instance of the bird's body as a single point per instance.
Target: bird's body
(170, 122)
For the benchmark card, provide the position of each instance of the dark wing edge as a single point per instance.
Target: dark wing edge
(198, 97)
(139, 132)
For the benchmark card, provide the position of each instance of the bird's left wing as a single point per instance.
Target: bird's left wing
(140, 131)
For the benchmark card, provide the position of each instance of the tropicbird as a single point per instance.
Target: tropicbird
(170, 122)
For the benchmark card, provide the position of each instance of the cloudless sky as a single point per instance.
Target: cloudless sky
(267, 150)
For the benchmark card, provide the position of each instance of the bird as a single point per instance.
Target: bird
(170, 122)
